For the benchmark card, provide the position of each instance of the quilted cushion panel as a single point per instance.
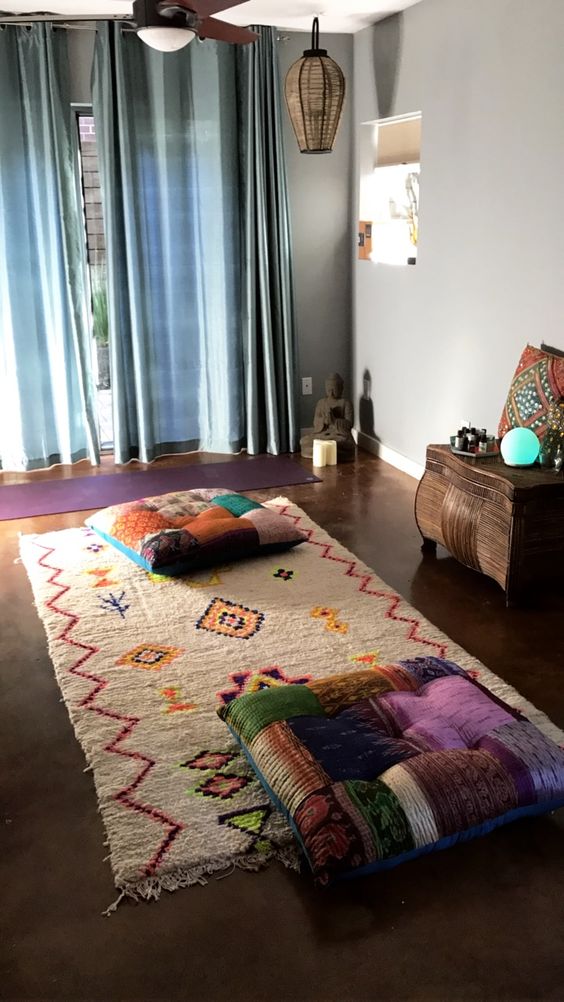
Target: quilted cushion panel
(377, 766)
(175, 533)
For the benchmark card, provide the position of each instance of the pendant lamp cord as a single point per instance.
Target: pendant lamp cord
(315, 33)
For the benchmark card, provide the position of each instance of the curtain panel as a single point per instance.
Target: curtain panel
(202, 333)
(268, 311)
(167, 138)
(46, 386)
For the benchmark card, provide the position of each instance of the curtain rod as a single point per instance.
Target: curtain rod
(78, 24)
(73, 24)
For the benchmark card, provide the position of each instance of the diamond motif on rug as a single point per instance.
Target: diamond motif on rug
(151, 657)
(222, 786)
(247, 681)
(207, 761)
(230, 620)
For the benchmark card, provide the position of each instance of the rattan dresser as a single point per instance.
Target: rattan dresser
(507, 523)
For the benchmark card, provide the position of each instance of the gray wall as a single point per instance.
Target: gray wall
(320, 201)
(81, 50)
(442, 339)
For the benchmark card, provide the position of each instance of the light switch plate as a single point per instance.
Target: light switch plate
(307, 386)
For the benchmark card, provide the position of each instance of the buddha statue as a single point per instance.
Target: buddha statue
(333, 420)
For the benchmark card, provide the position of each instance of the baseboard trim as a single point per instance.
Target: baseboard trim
(390, 456)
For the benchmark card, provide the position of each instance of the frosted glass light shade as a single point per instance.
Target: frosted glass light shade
(166, 39)
(520, 447)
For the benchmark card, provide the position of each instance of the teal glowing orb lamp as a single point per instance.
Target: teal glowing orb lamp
(520, 447)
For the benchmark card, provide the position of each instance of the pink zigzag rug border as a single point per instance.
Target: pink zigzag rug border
(123, 796)
(365, 579)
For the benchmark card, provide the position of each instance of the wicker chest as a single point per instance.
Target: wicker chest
(507, 523)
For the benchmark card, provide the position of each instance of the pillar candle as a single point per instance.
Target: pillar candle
(319, 452)
(331, 453)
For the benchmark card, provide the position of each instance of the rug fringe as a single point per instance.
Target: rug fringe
(151, 888)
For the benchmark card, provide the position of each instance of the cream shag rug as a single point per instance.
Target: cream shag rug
(143, 662)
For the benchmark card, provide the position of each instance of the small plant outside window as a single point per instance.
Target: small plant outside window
(101, 327)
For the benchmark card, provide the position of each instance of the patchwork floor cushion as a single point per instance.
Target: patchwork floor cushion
(378, 766)
(537, 384)
(173, 534)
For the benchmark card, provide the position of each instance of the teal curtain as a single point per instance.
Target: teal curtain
(268, 317)
(46, 388)
(166, 128)
(195, 209)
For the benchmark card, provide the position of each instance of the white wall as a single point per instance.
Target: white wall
(442, 339)
(320, 190)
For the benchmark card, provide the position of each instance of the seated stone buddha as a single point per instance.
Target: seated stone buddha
(333, 420)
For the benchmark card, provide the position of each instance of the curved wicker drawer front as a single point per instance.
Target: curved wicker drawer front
(493, 537)
(469, 481)
(459, 520)
(428, 505)
(508, 524)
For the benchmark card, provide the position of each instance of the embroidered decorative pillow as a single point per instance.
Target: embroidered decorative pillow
(379, 766)
(538, 382)
(175, 533)
(554, 437)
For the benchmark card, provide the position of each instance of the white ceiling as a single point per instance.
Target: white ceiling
(296, 15)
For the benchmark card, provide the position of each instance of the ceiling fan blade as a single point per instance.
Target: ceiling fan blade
(224, 32)
(206, 7)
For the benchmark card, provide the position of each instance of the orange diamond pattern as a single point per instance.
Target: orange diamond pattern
(150, 657)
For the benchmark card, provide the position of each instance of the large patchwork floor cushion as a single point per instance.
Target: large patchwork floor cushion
(538, 382)
(175, 533)
(377, 766)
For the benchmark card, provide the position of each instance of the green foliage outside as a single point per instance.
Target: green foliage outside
(100, 310)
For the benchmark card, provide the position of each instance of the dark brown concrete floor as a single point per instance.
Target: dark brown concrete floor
(482, 921)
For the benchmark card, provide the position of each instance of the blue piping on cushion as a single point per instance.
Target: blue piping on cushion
(132, 554)
(533, 810)
(277, 802)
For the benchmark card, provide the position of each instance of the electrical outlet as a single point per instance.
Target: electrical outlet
(307, 386)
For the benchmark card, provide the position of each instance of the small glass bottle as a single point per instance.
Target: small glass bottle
(483, 443)
(459, 440)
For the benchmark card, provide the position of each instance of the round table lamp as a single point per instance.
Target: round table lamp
(520, 447)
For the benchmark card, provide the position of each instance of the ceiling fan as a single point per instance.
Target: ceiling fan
(169, 25)
(166, 25)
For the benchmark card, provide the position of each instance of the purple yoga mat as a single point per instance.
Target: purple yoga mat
(50, 497)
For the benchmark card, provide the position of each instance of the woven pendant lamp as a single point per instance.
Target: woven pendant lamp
(315, 94)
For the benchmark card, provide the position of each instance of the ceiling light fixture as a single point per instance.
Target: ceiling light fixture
(164, 26)
(166, 39)
(315, 95)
